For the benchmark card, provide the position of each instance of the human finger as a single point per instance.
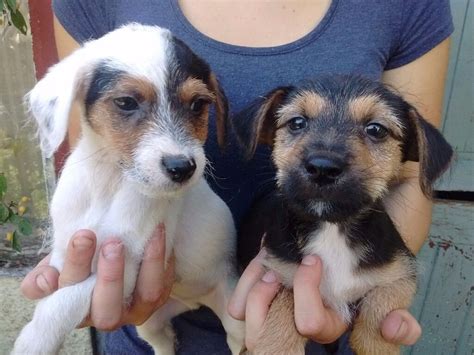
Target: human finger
(312, 318)
(400, 327)
(79, 254)
(252, 274)
(41, 281)
(259, 301)
(154, 281)
(107, 299)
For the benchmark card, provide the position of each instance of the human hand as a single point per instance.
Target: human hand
(108, 310)
(256, 289)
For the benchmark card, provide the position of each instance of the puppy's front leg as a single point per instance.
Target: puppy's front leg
(366, 338)
(279, 334)
(55, 317)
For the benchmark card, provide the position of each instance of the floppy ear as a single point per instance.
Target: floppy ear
(256, 123)
(50, 100)
(222, 110)
(428, 146)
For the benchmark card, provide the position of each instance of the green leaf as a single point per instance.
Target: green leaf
(11, 4)
(16, 243)
(23, 224)
(2, 6)
(3, 184)
(25, 227)
(15, 219)
(19, 21)
(4, 211)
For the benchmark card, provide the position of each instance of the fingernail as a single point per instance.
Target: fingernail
(42, 283)
(309, 260)
(401, 332)
(269, 277)
(82, 243)
(112, 251)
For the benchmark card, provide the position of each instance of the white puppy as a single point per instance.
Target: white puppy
(145, 101)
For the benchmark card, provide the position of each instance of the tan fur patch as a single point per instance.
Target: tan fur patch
(378, 164)
(287, 151)
(306, 103)
(366, 337)
(119, 137)
(279, 334)
(366, 108)
(192, 88)
(397, 287)
(142, 88)
(198, 126)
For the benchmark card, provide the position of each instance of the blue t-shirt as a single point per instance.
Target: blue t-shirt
(354, 37)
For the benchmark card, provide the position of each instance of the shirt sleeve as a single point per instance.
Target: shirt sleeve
(424, 24)
(85, 19)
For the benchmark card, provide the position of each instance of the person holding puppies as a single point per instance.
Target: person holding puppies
(254, 47)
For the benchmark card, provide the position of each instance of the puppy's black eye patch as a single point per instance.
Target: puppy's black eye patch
(104, 78)
(376, 131)
(126, 103)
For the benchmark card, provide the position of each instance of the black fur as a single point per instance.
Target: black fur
(245, 123)
(103, 78)
(189, 65)
(285, 232)
(434, 154)
(375, 232)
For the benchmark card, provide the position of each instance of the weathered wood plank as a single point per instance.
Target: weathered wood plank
(460, 111)
(458, 125)
(460, 177)
(458, 11)
(443, 304)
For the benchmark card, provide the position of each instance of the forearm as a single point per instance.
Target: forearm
(422, 84)
(65, 45)
(410, 209)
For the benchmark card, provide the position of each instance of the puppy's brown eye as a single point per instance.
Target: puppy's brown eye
(197, 106)
(126, 103)
(376, 131)
(297, 123)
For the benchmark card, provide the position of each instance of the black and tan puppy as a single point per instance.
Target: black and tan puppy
(338, 146)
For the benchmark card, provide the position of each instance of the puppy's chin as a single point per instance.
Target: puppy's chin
(335, 203)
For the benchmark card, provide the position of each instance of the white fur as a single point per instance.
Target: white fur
(96, 193)
(340, 284)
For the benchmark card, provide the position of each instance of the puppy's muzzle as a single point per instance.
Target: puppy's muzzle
(179, 168)
(324, 169)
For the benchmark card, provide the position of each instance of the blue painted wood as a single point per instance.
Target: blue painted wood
(443, 304)
(458, 124)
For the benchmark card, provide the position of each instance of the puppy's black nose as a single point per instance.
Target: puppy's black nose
(324, 170)
(178, 167)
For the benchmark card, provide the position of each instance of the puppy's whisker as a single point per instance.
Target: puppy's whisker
(93, 155)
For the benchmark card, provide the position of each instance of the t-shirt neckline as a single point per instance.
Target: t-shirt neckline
(231, 48)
